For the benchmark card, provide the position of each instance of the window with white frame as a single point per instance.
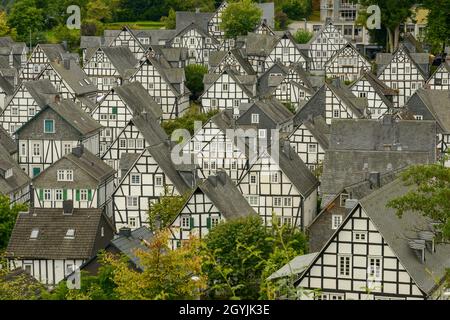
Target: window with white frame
(213, 103)
(225, 87)
(277, 201)
(213, 165)
(185, 222)
(23, 149)
(253, 200)
(58, 195)
(64, 175)
(336, 113)
(205, 164)
(344, 267)
(122, 143)
(214, 221)
(312, 147)
(253, 178)
(374, 268)
(418, 117)
(36, 149)
(158, 180)
(255, 118)
(67, 147)
(47, 194)
(31, 111)
(287, 202)
(83, 195)
(287, 221)
(236, 103)
(274, 177)
(336, 221)
(132, 201)
(135, 178)
(233, 164)
(360, 236)
(262, 133)
(139, 143)
(132, 222)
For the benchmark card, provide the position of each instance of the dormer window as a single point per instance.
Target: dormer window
(49, 126)
(70, 234)
(34, 234)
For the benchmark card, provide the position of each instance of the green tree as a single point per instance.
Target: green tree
(187, 120)
(19, 287)
(168, 274)
(281, 20)
(4, 28)
(297, 9)
(429, 194)
(438, 22)
(72, 37)
(302, 36)
(25, 17)
(194, 79)
(239, 18)
(8, 215)
(241, 253)
(170, 20)
(98, 10)
(161, 214)
(393, 13)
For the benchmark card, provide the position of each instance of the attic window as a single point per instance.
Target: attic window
(70, 234)
(34, 234)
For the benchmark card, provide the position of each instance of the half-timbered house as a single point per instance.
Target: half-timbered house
(426, 104)
(280, 183)
(379, 96)
(403, 73)
(57, 128)
(214, 200)
(286, 52)
(215, 21)
(108, 67)
(151, 175)
(227, 91)
(347, 64)
(133, 140)
(323, 45)
(167, 86)
(376, 255)
(117, 108)
(440, 79)
(232, 59)
(39, 59)
(50, 244)
(264, 28)
(257, 48)
(79, 177)
(26, 102)
(126, 38)
(199, 43)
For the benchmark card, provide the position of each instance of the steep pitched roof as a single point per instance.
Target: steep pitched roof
(73, 115)
(313, 108)
(227, 198)
(357, 105)
(6, 86)
(52, 51)
(260, 44)
(17, 180)
(90, 163)
(149, 128)
(121, 58)
(186, 18)
(7, 142)
(398, 231)
(71, 72)
(437, 102)
(53, 225)
(42, 91)
(319, 129)
(274, 110)
(137, 98)
(379, 86)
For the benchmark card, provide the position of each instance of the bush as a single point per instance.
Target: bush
(187, 120)
(302, 36)
(194, 79)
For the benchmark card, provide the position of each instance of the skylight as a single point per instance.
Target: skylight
(70, 234)
(34, 234)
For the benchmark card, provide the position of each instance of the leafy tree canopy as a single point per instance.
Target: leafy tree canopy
(239, 18)
(8, 217)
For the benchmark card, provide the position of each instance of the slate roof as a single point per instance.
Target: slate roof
(267, 82)
(6, 86)
(156, 36)
(150, 128)
(268, 12)
(91, 42)
(357, 105)
(71, 72)
(199, 29)
(42, 91)
(52, 51)
(186, 18)
(397, 231)
(313, 108)
(379, 86)
(227, 198)
(319, 129)
(244, 82)
(296, 170)
(127, 160)
(216, 57)
(91, 164)
(53, 225)
(7, 142)
(122, 59)
(137, 98)
(260, 44)
(129, 245)
(378, 135)
(19, 178)
(276, 111)
(73, 115)
(437, 102)
(295, 267)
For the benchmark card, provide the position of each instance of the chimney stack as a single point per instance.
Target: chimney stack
(57, 99)
(78, 151)
(125, 232)
(375, 179)
(67, 206)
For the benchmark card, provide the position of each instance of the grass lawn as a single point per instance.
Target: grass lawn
(136, 25)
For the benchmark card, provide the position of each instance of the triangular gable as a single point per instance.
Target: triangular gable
(126, 38)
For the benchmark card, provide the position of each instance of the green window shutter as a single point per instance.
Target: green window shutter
(41, 194)
(89, 194)
(78, 195)
(114, 110)
(64, 194)
(208, 223)
(191, 223)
